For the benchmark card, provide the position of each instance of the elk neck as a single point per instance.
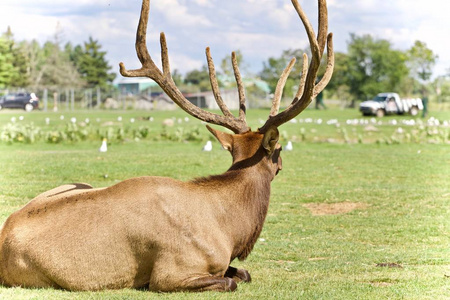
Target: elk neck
(244, 191)
(244, 175)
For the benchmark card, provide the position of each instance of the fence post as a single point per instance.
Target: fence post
(72, 98)
(55, 101)
(45, 99)
(67, 99)
(90, 98)
(99, 98)
(85, 100)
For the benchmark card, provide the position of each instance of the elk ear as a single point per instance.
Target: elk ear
(270, 140)
(225, 139)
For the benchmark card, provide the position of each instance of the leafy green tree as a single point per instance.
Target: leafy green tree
(50, 66)
(58, 71)
(177, 77)
(36, 62)
(421, 61)
(441, 86)
(227, 67)
(199, 78)
(373, 66)
(272, 70)
(13, 63)
(274, 66)
(340, 78)
(91, 64)
(226, 77)
(6, 63)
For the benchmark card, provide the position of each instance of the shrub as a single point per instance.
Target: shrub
(13, 132)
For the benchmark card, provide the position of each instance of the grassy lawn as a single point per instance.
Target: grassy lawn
(356, 212)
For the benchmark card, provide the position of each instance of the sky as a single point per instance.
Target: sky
(258, 28)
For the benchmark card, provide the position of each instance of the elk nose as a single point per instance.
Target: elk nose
(280, 165)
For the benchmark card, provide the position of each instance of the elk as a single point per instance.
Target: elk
(155, 232)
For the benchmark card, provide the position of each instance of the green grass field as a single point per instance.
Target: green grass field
(356, 212)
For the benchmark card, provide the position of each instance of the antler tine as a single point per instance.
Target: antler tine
(301, 86)
(307, 83)
(148, 68)
(314, 43)
(164, 55)
(165, 81)
(240, 86)
(323, 26)
(279, 89)
(215, 85)
(330, 66)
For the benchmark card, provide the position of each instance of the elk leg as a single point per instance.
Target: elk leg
(211, 283)
(238, 275)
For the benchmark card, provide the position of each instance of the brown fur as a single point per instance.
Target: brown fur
(158, 232)
(153, 232)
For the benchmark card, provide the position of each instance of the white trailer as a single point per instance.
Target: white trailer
(391, 103)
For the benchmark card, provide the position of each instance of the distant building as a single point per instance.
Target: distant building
(142, 89)
(207, 100)
(247, 81)
(136, 86)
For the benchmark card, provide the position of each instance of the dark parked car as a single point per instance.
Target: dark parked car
(27, 101)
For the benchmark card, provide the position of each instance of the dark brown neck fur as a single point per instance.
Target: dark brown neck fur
(246, 185)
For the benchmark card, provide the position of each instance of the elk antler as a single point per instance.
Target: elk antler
(165, 81)
(307, 88)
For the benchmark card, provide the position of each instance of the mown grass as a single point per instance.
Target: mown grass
(396, 246)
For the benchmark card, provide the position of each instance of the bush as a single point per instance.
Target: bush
(18, 133)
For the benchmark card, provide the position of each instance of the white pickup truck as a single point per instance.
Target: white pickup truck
(390, 103)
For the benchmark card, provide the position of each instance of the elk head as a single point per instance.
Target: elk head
(244, 143)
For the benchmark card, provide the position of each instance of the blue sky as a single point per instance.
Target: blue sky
(259, 28)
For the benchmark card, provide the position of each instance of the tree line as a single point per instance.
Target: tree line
(52, 65)
(369, 66)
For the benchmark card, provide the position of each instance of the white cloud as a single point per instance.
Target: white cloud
(31, 26)
(184, 63)
(204, 2)
(259, 28)
(282, 15)
(178, 14)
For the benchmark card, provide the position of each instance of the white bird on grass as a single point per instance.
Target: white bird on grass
(103, 147)
(208, 146)
(289, 146)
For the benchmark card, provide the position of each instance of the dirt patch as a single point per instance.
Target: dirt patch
(318, 258)
(389, 265)
(381, 284)
(323, 209)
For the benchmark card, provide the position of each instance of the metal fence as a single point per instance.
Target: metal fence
(72, 99)
(96, 98)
